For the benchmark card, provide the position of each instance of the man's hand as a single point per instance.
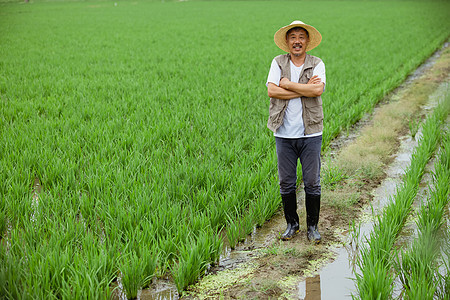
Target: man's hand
(284, 83)
(314, 80)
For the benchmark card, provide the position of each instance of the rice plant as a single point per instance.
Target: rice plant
(193, 260)
(134, 274)
(413, 127)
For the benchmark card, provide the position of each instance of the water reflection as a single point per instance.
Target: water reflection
(310, 289)
(167, 294)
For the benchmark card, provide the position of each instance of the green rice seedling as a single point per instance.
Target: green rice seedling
(234, 229)
(194, 257)
(215, 248)
(189, 267)
(3, 217)
(413, 128)
(248, 224)
(443, 288)
(258, 214)
(374, 280)
(263, 210)
(417, 268)
(84, 282)
(233, 233)
(238, 229)
(355, 233)
(168, 253)
(12, 275)
(217, 213)
(133, 274)
(150, 261)
(198, 222)
(101, 260)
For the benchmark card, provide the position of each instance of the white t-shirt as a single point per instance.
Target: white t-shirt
(293, 126)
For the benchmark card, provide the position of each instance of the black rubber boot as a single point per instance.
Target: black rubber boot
(290, 231)
(312, 203)
(290, 213)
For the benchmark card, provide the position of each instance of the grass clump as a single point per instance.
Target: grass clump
(331, 176)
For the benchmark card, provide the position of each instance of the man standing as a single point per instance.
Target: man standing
(295, 83)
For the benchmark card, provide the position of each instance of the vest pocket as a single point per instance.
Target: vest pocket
(276, 113)
(313, 110)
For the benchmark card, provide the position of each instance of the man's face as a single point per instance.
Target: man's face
(297, 40)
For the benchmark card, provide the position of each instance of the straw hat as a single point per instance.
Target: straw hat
(314, 36)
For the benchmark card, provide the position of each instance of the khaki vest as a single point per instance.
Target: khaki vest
(312, 107)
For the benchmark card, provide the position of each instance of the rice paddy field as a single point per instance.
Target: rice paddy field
(133, 135)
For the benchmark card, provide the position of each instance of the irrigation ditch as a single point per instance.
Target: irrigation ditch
(263, 267)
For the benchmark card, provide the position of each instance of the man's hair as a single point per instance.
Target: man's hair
(295, 29)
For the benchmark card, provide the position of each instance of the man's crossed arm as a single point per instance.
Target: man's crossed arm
(289, 90)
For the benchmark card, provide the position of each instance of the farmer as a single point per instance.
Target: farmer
(295, 82)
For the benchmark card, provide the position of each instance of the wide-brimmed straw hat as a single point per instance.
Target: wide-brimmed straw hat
(314, 36)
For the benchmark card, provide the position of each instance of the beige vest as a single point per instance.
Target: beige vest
(312, 107)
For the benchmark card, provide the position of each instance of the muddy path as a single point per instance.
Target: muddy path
(263, 267)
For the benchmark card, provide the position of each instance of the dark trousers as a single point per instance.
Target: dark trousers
(288, 153)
